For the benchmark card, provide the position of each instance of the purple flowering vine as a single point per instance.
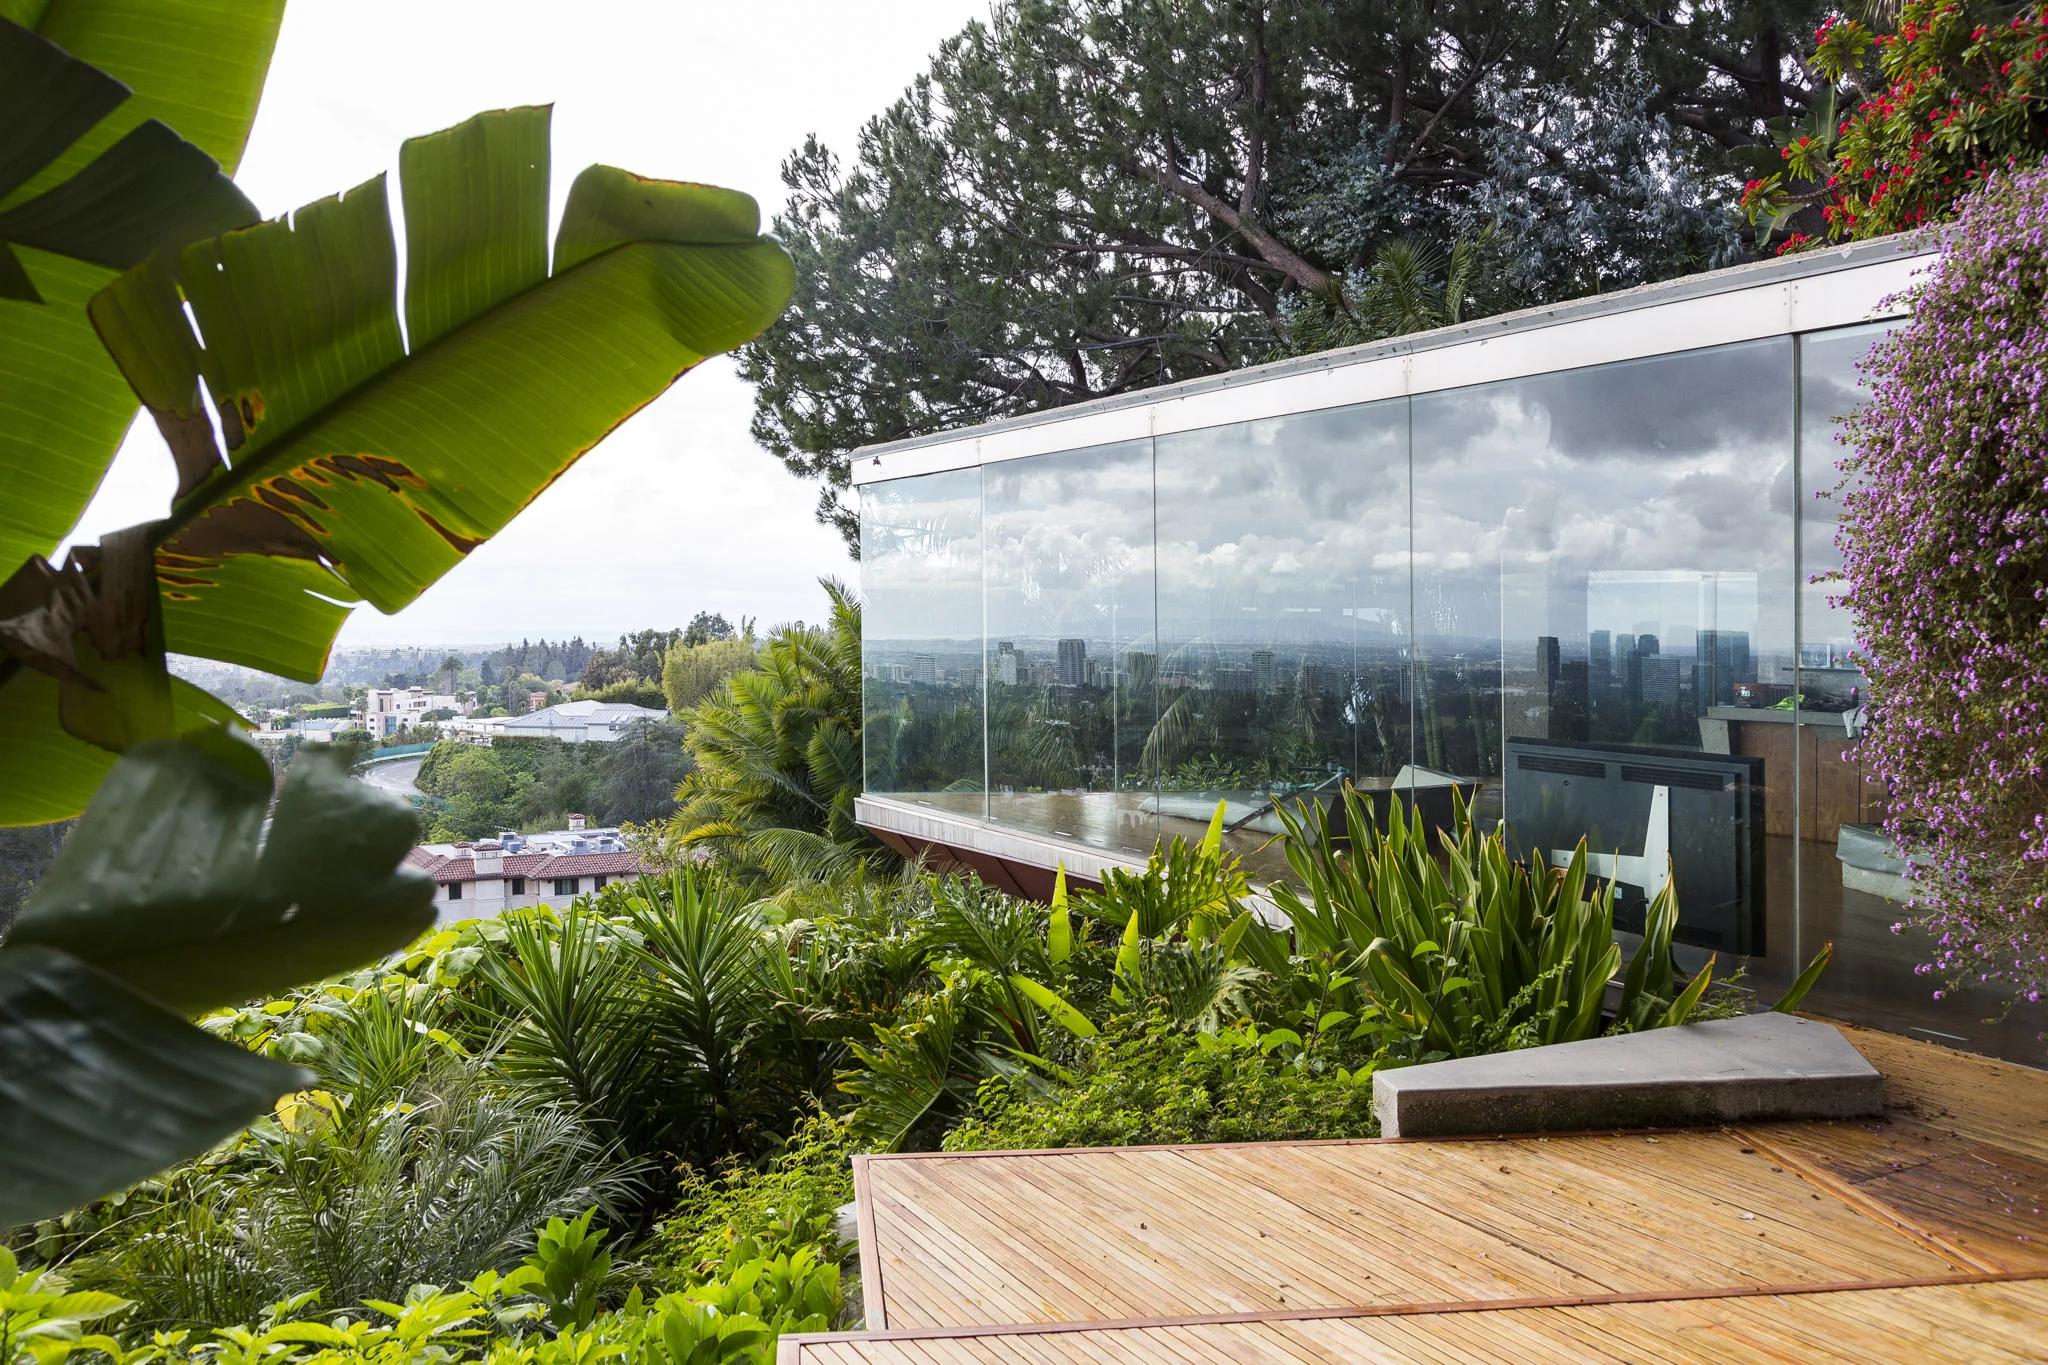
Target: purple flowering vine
(1944, 536)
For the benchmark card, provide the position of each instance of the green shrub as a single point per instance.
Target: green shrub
(1157, 1083)
(787, 1205)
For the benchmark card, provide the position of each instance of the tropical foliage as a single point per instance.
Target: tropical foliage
(689, 1061)
(1943, 565)
(777, 758)
(260, 352)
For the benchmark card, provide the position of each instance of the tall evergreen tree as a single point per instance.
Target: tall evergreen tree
(1086, 197)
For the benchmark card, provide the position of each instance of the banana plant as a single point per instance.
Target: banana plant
(120, 121)
(326, 456)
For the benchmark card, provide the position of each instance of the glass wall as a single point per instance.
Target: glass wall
(1586, 600)
(921, 639)
(1283, 618)
(1603, 585)
(1071, 660)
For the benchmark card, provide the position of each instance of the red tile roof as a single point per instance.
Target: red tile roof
(534, 866)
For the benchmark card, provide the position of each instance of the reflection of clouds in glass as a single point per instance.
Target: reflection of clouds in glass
(1304, 517)
(920, 569)
(1678, 460)
(1829, 388)
(1068, 541)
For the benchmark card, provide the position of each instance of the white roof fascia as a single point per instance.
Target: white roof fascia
(1862, 292)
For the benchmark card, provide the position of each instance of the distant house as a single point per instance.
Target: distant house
(307, 731)
(389, 711)
(577, 722)
(490, 876)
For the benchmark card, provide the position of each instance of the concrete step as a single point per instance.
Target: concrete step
(1757, 1067)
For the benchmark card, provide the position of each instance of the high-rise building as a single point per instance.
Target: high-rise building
(1600, 656)
(1263, 673)
(1548, 657)
(1073, 663)
(1659, 679)
(924, 668)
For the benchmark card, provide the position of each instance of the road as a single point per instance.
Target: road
(397, 776)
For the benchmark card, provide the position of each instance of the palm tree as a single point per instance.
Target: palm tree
(451, 670)
(778, 757)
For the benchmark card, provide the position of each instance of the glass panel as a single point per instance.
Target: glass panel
(920, 546)
(1851, 892)
(1071, 658)
(1604, 605)
(1283, 618)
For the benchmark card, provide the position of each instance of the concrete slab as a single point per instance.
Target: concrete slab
(1758, 1067)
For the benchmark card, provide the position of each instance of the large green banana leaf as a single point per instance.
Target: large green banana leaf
(196, 66)
(363, 462)
(102, 1087)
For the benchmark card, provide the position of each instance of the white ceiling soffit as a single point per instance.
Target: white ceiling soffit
(1810, 303)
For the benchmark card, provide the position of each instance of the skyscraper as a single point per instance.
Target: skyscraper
(1600, 656)
(1073, 662)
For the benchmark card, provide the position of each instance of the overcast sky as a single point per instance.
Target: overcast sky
(679, 509)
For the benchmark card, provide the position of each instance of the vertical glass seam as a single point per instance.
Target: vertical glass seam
(1414, 638)
(981, 539)
(1798, 644)
(1158, 638)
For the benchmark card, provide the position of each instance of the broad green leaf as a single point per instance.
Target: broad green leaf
(196, 65)
(1059, 926)
(1233, 934)
(1804, 983)
(1056, 1006)
(1127, 964)
(45, 773)
(387, 466)
(1688, 1000)
(161, 884)
(476, 219)
(1212, 839)
(102, 1088)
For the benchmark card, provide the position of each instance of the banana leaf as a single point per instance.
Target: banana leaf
(363, 462)
(192, 71)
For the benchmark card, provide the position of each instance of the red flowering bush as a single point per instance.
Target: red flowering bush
(1944, 532)
(1943, 102)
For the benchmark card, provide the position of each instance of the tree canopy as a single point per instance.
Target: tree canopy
(1085, 197)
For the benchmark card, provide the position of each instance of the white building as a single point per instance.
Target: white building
(389, 711)
(307, 731)
(577, 722)
(490, 876)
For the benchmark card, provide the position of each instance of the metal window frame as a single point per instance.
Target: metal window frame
(1807, 293)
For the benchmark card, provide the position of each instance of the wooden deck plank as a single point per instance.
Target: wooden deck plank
(1104, 1235)
(1967, 1324)
(1981, 1099)
(1991, 1203)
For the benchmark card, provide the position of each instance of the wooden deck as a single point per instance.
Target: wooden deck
(1920, 1236)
